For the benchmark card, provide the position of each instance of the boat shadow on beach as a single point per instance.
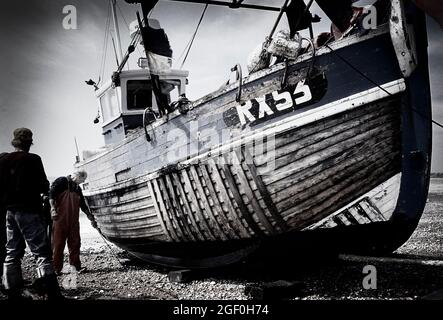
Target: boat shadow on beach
(270, 276)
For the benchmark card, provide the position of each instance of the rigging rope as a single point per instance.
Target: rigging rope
(123, 16)
(276, 23)
(127, 26)
(376, 84)
(105, 42)
(193, 36)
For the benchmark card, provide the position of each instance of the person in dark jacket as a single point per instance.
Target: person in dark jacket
(66, 199)
(24, 182)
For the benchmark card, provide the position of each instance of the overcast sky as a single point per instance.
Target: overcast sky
(44, 66)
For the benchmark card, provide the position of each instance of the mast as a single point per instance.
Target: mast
(117, 31)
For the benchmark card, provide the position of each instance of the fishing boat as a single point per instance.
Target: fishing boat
(327, 137)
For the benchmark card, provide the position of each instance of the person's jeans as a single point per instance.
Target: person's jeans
(25, 228)
(2, 238)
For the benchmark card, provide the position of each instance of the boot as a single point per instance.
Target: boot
(16, 295)
(39, 287)
(12, 282)
(52, 288)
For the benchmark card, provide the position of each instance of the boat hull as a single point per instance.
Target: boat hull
(350, 166)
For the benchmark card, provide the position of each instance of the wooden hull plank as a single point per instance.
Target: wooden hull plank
(236, 219)
(217, 228)
(347, 138)
(350, 156)
(308, 193)
(333, 198)
(163, 211)
(304, 159)
(196, 228)
(240, 203)
(371, 211)
(174, 202)
(244, 183)
(333, 175)
(264, 192)
(295, 139)
(218, 206)
(170, 212)
(194, 201)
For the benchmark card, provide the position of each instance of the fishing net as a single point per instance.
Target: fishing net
(284, 47)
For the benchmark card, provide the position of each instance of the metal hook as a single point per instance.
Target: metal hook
(145, 113)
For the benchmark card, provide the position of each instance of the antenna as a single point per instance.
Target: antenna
(77, 157)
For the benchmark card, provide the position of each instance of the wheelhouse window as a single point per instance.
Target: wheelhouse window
(139, 94)
(109, 104)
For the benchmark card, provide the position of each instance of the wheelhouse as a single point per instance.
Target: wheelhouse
(121, 108)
